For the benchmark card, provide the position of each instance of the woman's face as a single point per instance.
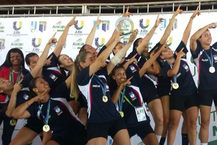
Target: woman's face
(5, 85)
(89, 59)
(65, 61)
(120, 76)
(118, 47)
(91, 50)
(15, 59)
(206, 38)
(168, 53)
(33, 61)
(42, 87)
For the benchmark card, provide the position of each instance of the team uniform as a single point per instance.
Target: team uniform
(52, 73)
(131, 103)
(163, 83)
(9, 74)
(33, 123)
(103, 118)
(185, 96)
(146, 84)
(65, 125)
(204, 59)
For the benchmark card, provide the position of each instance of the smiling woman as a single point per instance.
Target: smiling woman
(11, 71)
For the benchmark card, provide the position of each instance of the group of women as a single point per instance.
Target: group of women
(84, 101)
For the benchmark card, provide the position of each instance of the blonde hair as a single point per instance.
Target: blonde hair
(74, 92)
(81, 58)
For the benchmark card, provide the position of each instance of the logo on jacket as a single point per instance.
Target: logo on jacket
(185, 66)
(53, 77)
(132, 96)
(133, 69)
(25, 96)
(58, 110)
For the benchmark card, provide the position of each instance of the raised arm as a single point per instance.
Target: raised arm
(175, 69)
(147, 38)
(62, 38)
(126, 14)
(187, 31)
(196, 35)
(117, 93)
(21, 111)
(13, 99)
(118, 57)
(154, 68)
(90, 37)
(43, 57)
(149, 62)
(170, 26)
(100, 61)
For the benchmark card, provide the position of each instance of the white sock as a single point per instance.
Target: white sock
(204, 144)
(158, 138)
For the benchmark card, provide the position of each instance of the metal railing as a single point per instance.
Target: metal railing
(103, 8)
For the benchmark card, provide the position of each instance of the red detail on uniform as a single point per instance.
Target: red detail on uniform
(4, 73)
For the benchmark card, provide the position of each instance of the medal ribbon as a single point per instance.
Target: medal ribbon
(121, 99)
(45, 119)
(11, 76)
(174, 77)
(210, 58)
(102, 85)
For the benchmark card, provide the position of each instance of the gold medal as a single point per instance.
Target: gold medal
(13, 122)
(175, 85)
(46, 128)
(105, 99)
(121, 113)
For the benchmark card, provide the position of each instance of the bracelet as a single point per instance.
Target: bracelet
(192, 17)
(27, 103)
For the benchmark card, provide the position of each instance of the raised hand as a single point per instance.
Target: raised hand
(163, 47)
(133, 35)
(196, 12)
(72, 22)
(98, 21)
(48, 61)
(178, 10)
(180, 53)
(127, 13)
(17, 87)
(158, 21)
(212, 25)
(126, 83)
(52, 40)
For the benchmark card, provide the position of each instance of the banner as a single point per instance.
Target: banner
(32, 34)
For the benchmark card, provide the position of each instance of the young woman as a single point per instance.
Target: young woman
(184, 92)
(103, 119)
(129, 102)
(204, 55)
(55, 112)
(20, 95)
(150, 95)
(50, 72)
(157, 99)
(12, 69)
